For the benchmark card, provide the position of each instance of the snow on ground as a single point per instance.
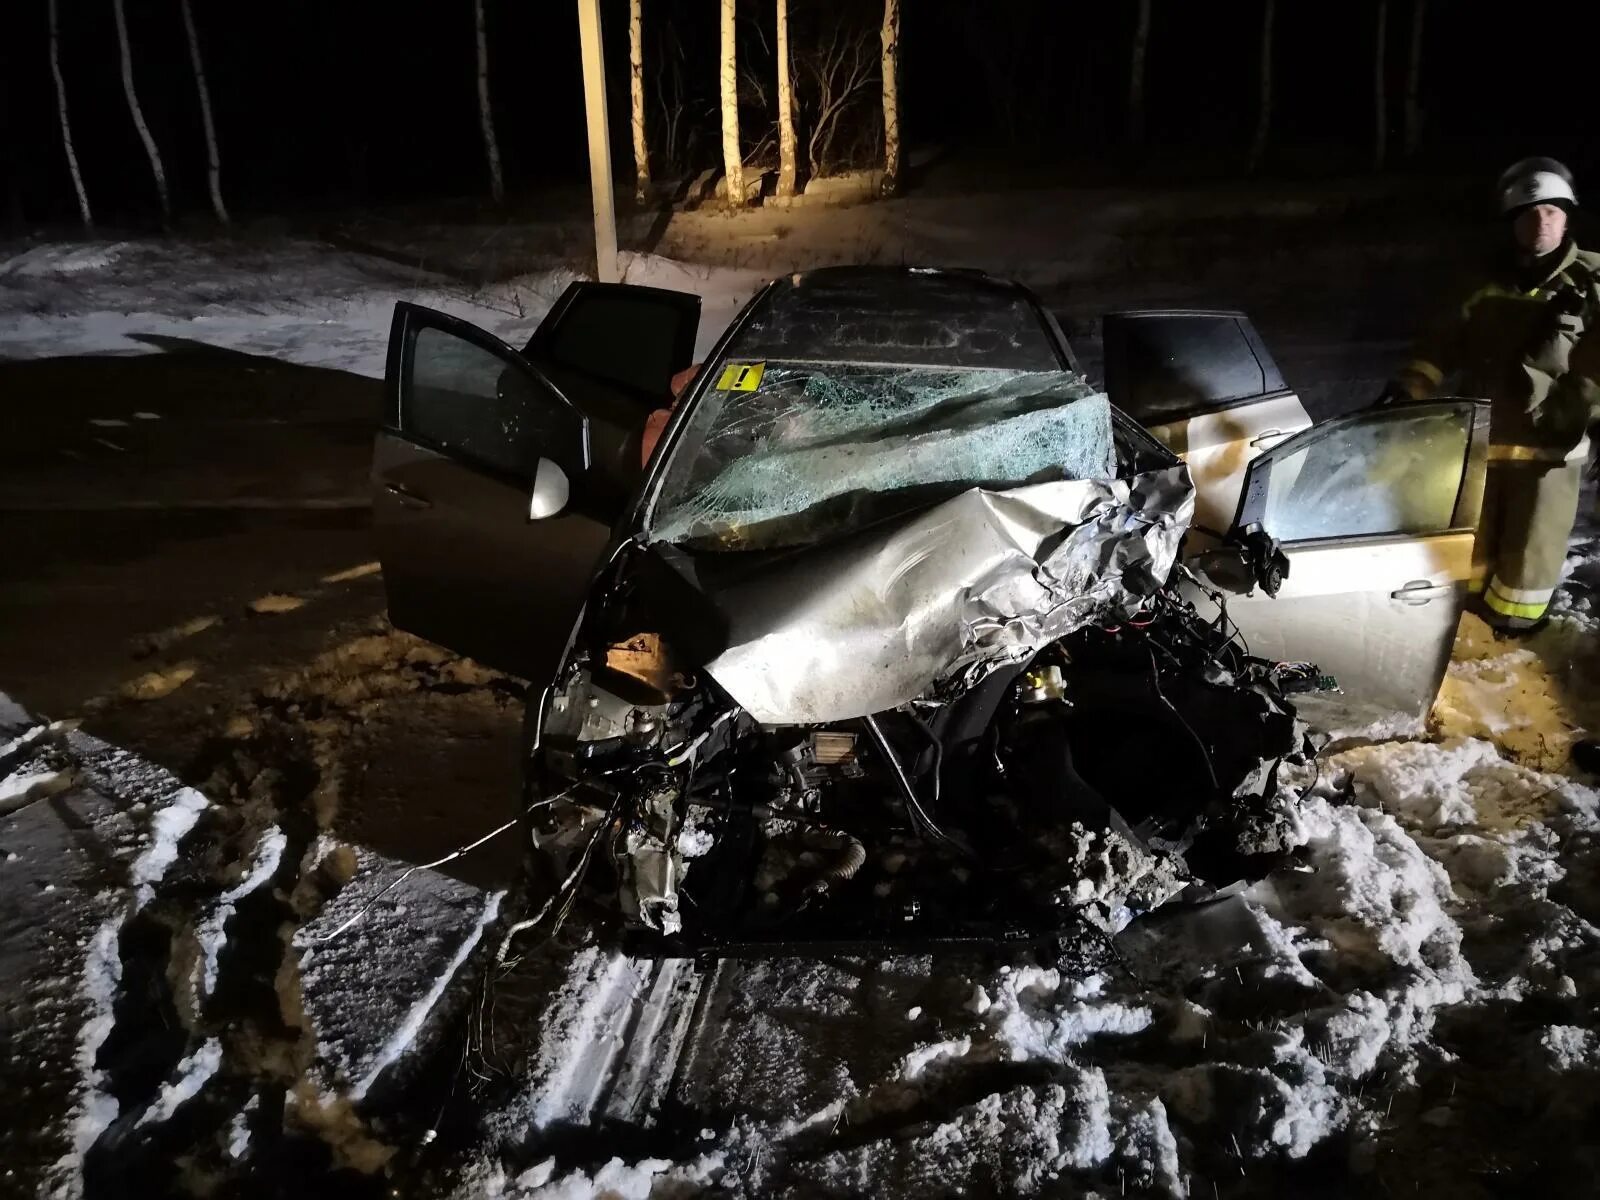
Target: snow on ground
(74, 868)
(1089, 249)
(300, 301)
(369, 989)
(1371, 1020)
(97, 880)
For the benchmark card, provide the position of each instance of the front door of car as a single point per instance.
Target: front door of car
(1376, 513)
(495, 488)
(1204, 384)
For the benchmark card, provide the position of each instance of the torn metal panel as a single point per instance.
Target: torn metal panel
(937, 600)
(651, 862)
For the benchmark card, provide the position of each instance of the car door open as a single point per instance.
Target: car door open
(612, 349)
(1377, 514)
(485, 519)
(1205, 385)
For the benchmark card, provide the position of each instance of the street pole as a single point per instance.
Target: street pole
(594, 103)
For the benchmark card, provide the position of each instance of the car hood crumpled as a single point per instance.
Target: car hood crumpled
(932, 602)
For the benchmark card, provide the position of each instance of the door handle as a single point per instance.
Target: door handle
(408, 499)
(1420, 591)
(1268, 438)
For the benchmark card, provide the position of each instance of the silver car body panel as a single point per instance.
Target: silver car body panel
(933, 602)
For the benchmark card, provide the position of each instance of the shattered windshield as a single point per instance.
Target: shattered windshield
(787, 453)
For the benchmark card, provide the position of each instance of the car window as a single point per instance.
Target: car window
(1400, 474)
(595, 329)
(474, 405)
(1163, 367)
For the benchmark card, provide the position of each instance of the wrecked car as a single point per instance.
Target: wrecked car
(906, 631)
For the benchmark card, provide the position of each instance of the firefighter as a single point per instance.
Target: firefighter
(1512, 341)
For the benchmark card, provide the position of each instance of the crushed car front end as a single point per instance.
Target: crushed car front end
(896, 654)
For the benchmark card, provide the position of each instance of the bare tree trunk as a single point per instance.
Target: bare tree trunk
(1380, 94)
(1419, 12)
(788, 147)
(497, 181)
(1141, 39)
(66, 126)
(732, 158)
(138, 114)
(1258, 147)
(213, 158)
(890, 70)
(641, 147)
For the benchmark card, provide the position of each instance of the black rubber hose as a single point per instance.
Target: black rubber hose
(938, 756)
(919, 816)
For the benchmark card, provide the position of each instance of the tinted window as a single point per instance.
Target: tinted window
(474, 405)
(1160, 368)
(623, 336)
(1392, 473)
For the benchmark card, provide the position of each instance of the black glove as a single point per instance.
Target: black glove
(1393, 392)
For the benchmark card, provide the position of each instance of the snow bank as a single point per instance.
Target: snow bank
(192, 1075)
(268, 854)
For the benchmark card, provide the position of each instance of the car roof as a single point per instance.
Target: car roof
(922, 315)
(922, 280)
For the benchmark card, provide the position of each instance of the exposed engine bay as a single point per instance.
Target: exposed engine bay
(1113, 769)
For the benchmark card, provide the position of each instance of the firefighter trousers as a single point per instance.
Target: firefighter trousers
(1528, 513)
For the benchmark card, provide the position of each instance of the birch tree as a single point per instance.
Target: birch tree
(840, 70)
(497, 182)
(641, 147)
(890, 71)
(138, 114)
(1258, 146)
(788, 146)
(213, 158)
(1380, 96)
(732, 159)
(1419, 12)
(66, 125)
(1141, 39)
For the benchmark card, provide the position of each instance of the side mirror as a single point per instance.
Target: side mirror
(550, 493)
(1249, 559)
(1224, 569)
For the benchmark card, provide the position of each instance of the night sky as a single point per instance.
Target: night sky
(323, 104)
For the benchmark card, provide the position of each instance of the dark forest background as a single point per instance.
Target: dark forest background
(322, 104)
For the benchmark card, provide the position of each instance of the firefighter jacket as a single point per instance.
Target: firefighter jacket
(1529, 342)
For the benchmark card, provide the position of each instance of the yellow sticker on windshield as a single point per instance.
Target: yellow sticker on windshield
(741, 377)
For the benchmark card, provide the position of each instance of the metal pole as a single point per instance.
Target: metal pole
(594, 103)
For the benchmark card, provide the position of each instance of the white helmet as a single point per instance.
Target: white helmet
(1536, 181)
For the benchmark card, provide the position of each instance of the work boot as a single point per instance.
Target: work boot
(1513, 628)
(1586, 756)
(1505, 627)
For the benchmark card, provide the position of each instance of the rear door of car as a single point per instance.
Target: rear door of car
(1377, 514)
(1204, 384)
(495, 488)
